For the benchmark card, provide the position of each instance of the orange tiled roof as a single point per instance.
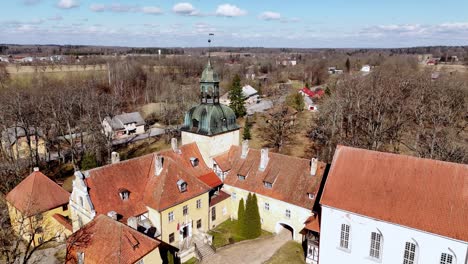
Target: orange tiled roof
(221, 196)
(65, 222)
(290, 176)
(312, 224)
(104, 240)
(424, 194)
(147, 189)
(37, 194)
(211, 179)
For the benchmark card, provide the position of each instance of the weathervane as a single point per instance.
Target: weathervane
(209, 44)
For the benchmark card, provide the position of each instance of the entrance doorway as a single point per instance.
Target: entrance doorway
(285, 231)
(185, 232)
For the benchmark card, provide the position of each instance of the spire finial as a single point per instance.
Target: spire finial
(209, 45)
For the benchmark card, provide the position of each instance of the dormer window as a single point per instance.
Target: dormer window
(182, 185)
(124, 194)
(311, 196)
(241, 177)
(268, 185)
(194, 161)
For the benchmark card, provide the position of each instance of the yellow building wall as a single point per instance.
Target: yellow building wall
(193, 215)
(21, 147)
(223, 212)
(154, 257)
(51, 227)
(276, 215)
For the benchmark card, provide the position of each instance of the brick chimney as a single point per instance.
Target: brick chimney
(115, 157)
(158, 164)
(263, 159)
(245, 149)
(36, 169)
(313, 166)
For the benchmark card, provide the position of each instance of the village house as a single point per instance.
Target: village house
(286, 186)
(38, 209)
(19, 142)
(309, 97)
(386, 208)
(124, 125)
(249, 93)
(105, 240)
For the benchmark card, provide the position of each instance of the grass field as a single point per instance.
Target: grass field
(19, 69)
(227, 233)
(291, 253)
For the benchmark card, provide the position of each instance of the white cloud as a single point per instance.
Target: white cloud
(56, 18)
(152, 10)
(185, 9)
(268, 15)
(97, 7)
(229, 10)
(68, 4)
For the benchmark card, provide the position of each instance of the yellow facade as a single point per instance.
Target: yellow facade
(222, 212)
(24, 226)
(154, 257)
(20, 149)
(187, 223)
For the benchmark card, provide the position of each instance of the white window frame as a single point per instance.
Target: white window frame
(410, 254)
(198, 203)
(447, 258)
(267, 206)
(185, 210)
(345, 235)
(287, 213)
(234, 196)
(170, 216)
(375, 250)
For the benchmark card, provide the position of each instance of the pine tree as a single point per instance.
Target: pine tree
(236, 97)
(246, 135)
(256, 225)
(88, 161)
(249, 218)
(241, 216)
(348, 65)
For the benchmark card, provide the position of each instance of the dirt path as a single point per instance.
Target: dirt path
(252, 251)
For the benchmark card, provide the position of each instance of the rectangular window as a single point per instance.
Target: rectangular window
(268, 185)
(171, 216)
(171, 237)
(288, 213)
(241, 177)
(446, 258)
(64, 207)
(375, 245)
(410, 253)
(233, 195)
(40, 239)
(344, 238)
(199, 223)
(81, 201)
(267, 207)
(81, 257)
(213, 213)
(185, 210)
(198, 203)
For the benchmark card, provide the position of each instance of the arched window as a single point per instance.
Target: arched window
(376, 245)
(344, 237)
(447, 258)
(410, 255)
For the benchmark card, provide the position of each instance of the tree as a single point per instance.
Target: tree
(241, 216)
(88, 161)
(348, 65)
(296, 101)
(256, 225)
(246, 134)
(236, 97)
(247, 225)
(4, 75)
(278, 127)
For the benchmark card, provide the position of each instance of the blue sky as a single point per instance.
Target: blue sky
(266, 23)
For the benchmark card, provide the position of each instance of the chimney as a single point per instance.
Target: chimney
(112, 214)
(245, 148)
(174, 146)
(36, 169)
(132, 222)
(115, 157)
(158, 164)
(263, 159)
(313, 166)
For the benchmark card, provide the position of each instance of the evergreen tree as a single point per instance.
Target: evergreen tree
(236, 97)
(256, 225)
(247, 225)
(307, 85)
(241, 216)
(88, 161)
(246, 135)
(348, 65)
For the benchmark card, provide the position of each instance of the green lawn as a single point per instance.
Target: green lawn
(226, 233)
(191, 261)
(291, 253)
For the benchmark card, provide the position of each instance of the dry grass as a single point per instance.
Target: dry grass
(291, 252)
(143, 147)
(13, 69)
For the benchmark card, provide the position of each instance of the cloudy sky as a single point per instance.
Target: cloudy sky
(266, 23)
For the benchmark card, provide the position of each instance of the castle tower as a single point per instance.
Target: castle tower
(210, 124)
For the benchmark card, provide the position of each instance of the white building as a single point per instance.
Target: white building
(366, 68)
(251, 96)
(387, 208)
(124, 125)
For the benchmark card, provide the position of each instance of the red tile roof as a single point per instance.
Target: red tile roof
(65, 222)
(317, 93)
(312, 224)
(290, 176)
(147, 189)
(424, 194)
(221, 196)
(104, 240)
(211, 179)
(37, 194)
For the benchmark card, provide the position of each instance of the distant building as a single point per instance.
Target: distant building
(309, 104)
(366, 68)
(105, 240)
(4, 59)
(334, 70)
(19, 142)
(124, 125)
(251, 96)
(387, 208)
(309, 96)
(38, 206)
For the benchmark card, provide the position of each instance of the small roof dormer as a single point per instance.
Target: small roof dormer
(182, 185)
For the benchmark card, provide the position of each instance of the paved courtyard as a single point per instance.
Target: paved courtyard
(251, 251)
